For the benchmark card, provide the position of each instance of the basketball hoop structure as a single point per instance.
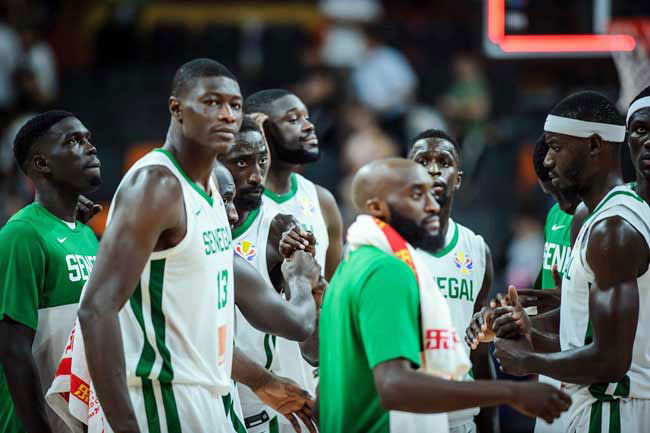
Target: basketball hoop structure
(633, 66)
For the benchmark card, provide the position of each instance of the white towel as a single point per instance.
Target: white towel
(443, 354)
(72, 395)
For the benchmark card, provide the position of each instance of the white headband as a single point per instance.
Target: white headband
(584, 129)
(636, 106)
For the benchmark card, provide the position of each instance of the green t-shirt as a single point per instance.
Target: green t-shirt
(557, 246)
(45, 263)
(370, 315)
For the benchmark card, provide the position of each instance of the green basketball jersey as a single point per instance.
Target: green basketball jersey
(45, 263)
(557, 246)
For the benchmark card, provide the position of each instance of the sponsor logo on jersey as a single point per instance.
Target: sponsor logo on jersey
(246, 249)
(463, 263)
(306, 205)
(441, 339)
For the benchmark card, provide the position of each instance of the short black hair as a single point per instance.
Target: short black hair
(259, 102)
(34, 129)
(249, 125)
(198, 68)
(589, 106)
(539, 154)
(434, 133)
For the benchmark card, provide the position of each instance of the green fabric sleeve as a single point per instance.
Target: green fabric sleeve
(537, 285)
(23, 261)
(389, 310)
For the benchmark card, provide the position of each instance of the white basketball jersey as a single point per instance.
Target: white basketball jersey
(575, 327)
(178, 325)
(458, 270)
(250, 240)
(302, 203)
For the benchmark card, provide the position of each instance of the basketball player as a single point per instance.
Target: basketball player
(292, 142)
(226, 185)
(604, 347)
(370, 327)
(256, 240)
(167, 252)
(462, 267)
(46, 258)
(638, 139)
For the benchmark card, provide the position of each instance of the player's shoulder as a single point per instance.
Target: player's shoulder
(22, 230)
(25, 221)
(369, 259)
(465, 234)
(151, 182)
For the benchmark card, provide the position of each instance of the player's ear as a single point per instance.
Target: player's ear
(378, 209)
(459, 179)
(595, 144)
(39, 164)
(175, 108)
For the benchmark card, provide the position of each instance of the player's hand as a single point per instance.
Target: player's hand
(297, 239)
(301, 264)
(512, 354)
(86, 209)
(260, 118)
(539, 400)
(512, 320)
(286, 397)
(480, 328)
(543, 300)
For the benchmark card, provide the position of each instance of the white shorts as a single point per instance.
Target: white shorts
(167, 408)
(627, 415)
(468, 427)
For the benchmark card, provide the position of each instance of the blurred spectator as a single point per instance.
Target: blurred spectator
(366, 142)
(39, 63)
(10, 55)
(524, 254)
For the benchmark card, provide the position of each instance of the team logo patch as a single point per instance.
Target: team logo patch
(306, 205)
(247, 250)
(463, 262)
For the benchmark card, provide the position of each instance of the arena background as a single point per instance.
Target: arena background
(373, 74)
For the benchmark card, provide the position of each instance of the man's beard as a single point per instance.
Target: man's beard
(299, 156)
(244, 203)
(414, 234)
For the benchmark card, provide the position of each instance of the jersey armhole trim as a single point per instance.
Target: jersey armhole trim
(198, 189)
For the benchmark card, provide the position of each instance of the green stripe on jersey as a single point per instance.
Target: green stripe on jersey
(609, 197)
(150, 406)
(148, 356)
(238, 231)
(615, 417)
(171, 411)
(450, 246)
(274, 426)
(156, 278)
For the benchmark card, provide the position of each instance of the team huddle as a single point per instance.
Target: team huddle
(221, 297)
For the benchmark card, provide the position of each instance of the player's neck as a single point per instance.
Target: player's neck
(243, 216)
(445, 215)
(196, 161)
(59, 202)
(278, 180)
(599, 187)
(643, 188)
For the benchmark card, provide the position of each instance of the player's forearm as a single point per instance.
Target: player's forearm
(413, 391)
(483, 368)
(25, 387)
(301, 314)
(583, 366)
(309, 347)
(545, 342)
(105, 356)
(247, 371)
